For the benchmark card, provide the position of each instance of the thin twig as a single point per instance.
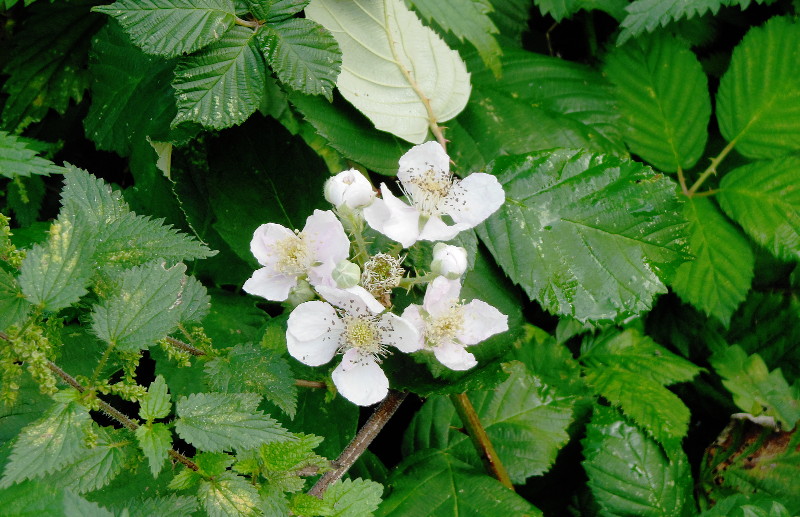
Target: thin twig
(359, 444)
(310, 384)
(177, 343)
(480, 439)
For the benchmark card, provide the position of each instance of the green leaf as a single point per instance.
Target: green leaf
(719, 277)
(247, 369)
(142, 310)
(560, 9)
(588, 236)
(155, 441)
(97, 466)
(91, 197)
(354, 497)
(47, 65)
(48, 444)
(472, 22)
(755, 389)
(195, 302)
(276, 10)
(281, 461)
(229, 495)
(303, 54)
(305, 504)
(629, 474)
(390, 61)
(519, 412)
(437, 484)
(741, 505)
(223, 84)
(13, 305)
(218, 421)
(764, 199)
(172, 27)
(156, 404)
(663, 96)
(758, 103)
(167, 506)
(19, 158)
(34, 498)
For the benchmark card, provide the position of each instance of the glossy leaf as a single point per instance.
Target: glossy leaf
(587, 236)
(19, 159)
(393, 66)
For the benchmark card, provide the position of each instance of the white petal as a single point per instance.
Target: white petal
(412, 315)
(474, 198)
(267, 284)
(355, 300)
(436, 230)
(377, 214)
(393, 218)
(400, 333)
(326, 238)
(360, 380)
(440, 295)
(454, 356)
(481, 321)
(315, 352)
(421, 158)
(311, 320)
(264, 239)
(322, 274)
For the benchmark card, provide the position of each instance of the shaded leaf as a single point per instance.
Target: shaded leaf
(97, 466)
(19, 158)
(13, 305)
(167, 506)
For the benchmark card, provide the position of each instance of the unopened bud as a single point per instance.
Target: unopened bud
(346, 274)
(349, 188)
(449, 261)
(302, 292)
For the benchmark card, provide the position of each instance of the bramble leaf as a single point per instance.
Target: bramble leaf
(155, 441)
(19, 158)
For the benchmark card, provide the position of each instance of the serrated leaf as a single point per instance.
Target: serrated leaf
(247, 369)
(763, 197)
(167, 506)
(34, 498)
(719, 277)
(47, 65)
(586, 235)
(229, 495)
(97, 466)
(172, 27)
(91, 197)
(663, 96)
(156, 404)
(393, 67)
(305, 504)
(19, 158)
(755, 389)
(517, 413)
(303, 54)
(758, 102)
(223, 84)
(282, 458)
(155, 441)
(741, 505)
(218, 421)
(48, 444)
(276, 10)
(13, 305)
(354, 497)
(195, 302)
(451, 488)
(629, 474)
(141, 311)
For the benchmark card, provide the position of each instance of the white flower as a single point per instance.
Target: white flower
(288, 256)
(349, 188)
(353, 323)
(427, 182)
(446, 325)
(449, 261)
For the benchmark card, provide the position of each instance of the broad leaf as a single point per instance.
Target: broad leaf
(281, 462)
(13, 305)
(19, 158)
(629, 474)
(763, 197)
(588, 236)
(741, 505)
(275, 10)
(172, 27)
(155, 440)
(719, 277)
(303, 55)
(97, 466)
(165, 506)
(223, 84)
(353, 497)
(663, 96)
(395, 70)
(560, 9)
(229, 495)
(451, 488)
(200, 414)
(91, 197)
(195, 302)
(156, 404)
(758, 103)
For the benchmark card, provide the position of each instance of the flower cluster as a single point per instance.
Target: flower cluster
(343, 302)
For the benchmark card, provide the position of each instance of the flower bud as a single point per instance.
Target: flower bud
(302, 292)
(349, 188)
(449, 261)
(346, 274)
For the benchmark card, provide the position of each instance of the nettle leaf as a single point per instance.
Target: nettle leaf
(195, 302)
(451, 488)
(167, 506)
(755, 389)
(91, 197)
(155, 440)
(291, 456)
(97, 466)
(519, 412)
(13, 305)
(472, 23)
(141, 311)
(586, 235)
(303, 54)
(393, 66)
(223, 84)
(248, 369)
(758, 103)
(18, 157)
(229, 495)
(353, 497)
(172, 27)
(156, 404)
(629, 474)
(48, 444)
(763, 197)
(47, 65)
(31, 498)
(719, 277)
(663, 96)
(218, 421)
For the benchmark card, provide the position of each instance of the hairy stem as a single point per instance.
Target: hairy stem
(101, 363)
(480, 439)
(359, 444)
(712, 168)
(177, 343)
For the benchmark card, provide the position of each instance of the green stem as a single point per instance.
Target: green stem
(712, 168)
(409, 282)
(253, 24)
(591, 34)
(177, 343)
(302, 383)
(101, 364)
(476, 432)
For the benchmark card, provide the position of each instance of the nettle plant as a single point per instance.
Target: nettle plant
(518, 219)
